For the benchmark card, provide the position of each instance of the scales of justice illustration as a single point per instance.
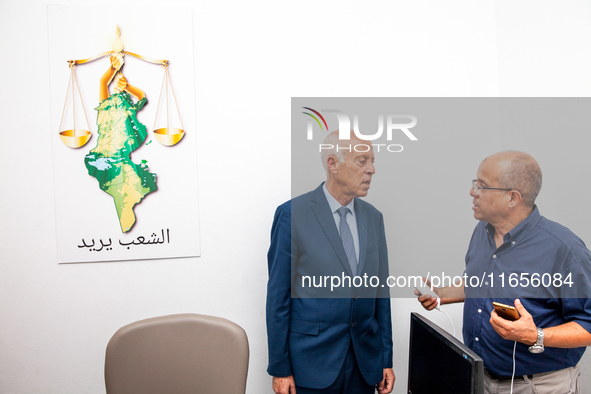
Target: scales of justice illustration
(119, 131)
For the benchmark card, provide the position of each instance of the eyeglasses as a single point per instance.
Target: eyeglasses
(478, 188)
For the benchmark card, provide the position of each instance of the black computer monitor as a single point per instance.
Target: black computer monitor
(440, 364)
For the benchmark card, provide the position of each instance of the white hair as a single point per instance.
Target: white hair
(331, 139)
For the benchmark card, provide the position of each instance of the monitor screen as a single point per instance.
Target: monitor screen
(439, 364)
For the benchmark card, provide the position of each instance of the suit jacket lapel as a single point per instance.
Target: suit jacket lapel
(362, 230)
(324, 216)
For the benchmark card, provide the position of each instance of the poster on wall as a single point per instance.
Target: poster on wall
(123, 132)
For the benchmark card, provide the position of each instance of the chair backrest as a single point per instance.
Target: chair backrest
(177, 354)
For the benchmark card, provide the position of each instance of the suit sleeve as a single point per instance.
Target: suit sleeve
(383, 309)
(279, 293)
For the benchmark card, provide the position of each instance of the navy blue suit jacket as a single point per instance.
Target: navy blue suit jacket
(309, 337)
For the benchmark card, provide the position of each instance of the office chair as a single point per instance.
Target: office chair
(177, 354)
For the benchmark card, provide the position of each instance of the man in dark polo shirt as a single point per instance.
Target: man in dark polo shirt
(522, 259)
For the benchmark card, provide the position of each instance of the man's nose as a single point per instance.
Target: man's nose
(371, 169)
(473, 192)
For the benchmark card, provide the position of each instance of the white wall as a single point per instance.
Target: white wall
(250, 57)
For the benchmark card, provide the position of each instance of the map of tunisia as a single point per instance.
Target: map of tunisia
(120, 133)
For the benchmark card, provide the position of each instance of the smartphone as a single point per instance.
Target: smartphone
(506, 312)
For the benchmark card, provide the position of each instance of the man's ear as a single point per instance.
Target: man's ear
(332, 164)
(515, 198)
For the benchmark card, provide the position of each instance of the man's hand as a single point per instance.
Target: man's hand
(284, 385)
(447, 295)
(386, 385)
(428, 302)
(523, 330)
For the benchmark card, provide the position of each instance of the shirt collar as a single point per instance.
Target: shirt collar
(334, 204)
(522, 229)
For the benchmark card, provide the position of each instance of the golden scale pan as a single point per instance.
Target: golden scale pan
(76, 138)
(167, 136)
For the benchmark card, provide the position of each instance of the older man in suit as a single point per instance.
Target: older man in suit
(323, 340)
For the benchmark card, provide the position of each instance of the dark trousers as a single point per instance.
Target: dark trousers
(349, 380)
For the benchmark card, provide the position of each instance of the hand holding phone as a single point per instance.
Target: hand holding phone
(423, 289)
